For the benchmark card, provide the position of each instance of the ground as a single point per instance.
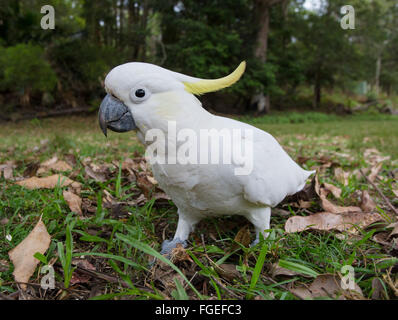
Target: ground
(107, 250)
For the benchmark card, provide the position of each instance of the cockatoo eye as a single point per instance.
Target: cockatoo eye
(139, 94)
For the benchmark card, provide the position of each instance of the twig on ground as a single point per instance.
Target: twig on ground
(381, 193)
(225, 288)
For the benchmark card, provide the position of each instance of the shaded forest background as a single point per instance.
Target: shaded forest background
(298, 59)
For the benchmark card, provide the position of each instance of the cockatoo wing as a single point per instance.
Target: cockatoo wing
(274, 174)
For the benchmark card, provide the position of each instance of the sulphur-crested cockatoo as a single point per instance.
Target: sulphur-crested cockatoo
(250, 172)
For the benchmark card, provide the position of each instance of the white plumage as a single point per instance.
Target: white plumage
(201, 190)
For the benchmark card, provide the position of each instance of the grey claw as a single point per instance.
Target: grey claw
(169, 245)
(254, 243)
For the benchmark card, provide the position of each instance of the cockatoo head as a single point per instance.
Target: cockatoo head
(140, 95)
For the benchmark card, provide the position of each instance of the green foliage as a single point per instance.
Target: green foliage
(202, 38)
(24, 67)
(83, 63)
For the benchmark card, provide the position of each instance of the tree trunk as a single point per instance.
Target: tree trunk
(262, 19)
(262, 8)
(377, 76)
(317, 93)
(121, 21)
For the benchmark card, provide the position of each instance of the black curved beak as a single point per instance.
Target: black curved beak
(115, 115)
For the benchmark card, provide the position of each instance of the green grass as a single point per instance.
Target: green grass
(122, 247)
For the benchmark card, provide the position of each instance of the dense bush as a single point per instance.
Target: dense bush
(24, 68)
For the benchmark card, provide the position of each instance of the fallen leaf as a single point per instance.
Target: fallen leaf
(374, 171)
(378, 289)
(243, 236)
(80, 277)
(367, 203)
(7, 170)
(331, 221)
(179, 254)
(31, 169)
(71, 159)
(144, 183)
(327, 285)
(373, 157)
(228, 271)
(329, 206)
(74, 202)
(394, 231)
(277, 270)
(304, 204)
(333, 189)
(49, 182)
(4, 265)
(97, 176)
(22, 257)
(341, 175)
(382, 238)
(58, 166)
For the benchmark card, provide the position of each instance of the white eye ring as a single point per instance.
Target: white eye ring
(139, 94)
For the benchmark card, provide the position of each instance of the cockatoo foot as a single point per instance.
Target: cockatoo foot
(254, 243)
(169, 245)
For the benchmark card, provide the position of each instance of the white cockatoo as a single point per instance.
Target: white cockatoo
(155, 101)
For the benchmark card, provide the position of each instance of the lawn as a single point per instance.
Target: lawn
(107, 251)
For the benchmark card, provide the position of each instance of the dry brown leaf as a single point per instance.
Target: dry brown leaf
(141, 200)
(329, 206)
(367, 203)
(152, 179)
(7, 170)
(59, 166)
(144, 184)
(382, 238)
(21, 256)
(372, 156)
(228, 271)
(395, 191)
(50, 162)
(4, 266)
(374, 171)
(394, 231)
(97, 176)
(326, 285)
(304, 204)
(8, 173)
(378, 289)
(179, 254)
(70, 159)
(74, 202)
(49, 182)
(333, 189)
(277, 270)
(341, 175)
(31, 169)
(53, 164)
(243, 236)
(80, 277)
(331, 221)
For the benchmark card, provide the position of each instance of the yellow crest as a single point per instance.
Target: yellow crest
(203, 85)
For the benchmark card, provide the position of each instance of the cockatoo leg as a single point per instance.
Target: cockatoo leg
(260, 218)
(184, 227)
